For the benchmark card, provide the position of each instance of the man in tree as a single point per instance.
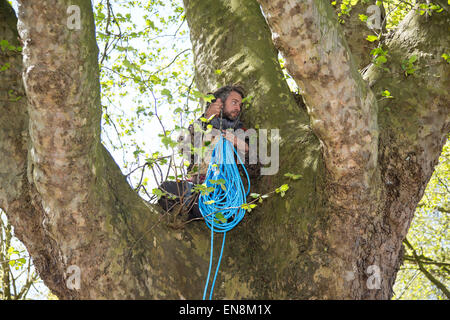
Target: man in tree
(222, 115)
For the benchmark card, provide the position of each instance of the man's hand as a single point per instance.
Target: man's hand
(214, 109)
(238, 143)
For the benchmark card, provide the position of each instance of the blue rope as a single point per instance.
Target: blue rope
(221, 208)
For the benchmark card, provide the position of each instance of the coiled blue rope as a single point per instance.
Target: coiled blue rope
(221, 208)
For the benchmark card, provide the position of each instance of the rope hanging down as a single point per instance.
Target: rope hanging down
(221, 208)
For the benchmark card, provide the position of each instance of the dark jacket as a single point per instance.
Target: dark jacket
(253, 170)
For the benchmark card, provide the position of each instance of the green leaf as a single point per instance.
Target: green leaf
(248, 207)
(128, 64)
(378, 51)
(4, 44)
(6, 66)
(381, 59)
(137, 152)
(154, 79)
(168, 141)
(386, 94)
(293, 176)
(157, 192)
(371, 38)
(412, 59)
(166, 92)
(282, 190)
(220, 218)
(197, 94)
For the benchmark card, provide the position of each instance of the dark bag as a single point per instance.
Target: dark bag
(179, 193)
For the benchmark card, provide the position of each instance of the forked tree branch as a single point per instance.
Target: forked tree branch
(342, 108)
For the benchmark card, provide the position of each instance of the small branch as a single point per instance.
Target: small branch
(439, 264)
(427, 274)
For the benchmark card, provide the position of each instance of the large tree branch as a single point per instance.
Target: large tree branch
(13, 110)
(342, 108)
(17, 198)
(66, 210)
(413, 127)
(62, 86)
(414, 123)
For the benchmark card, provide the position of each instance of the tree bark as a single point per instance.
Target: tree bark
(356, 31)
(70, 204)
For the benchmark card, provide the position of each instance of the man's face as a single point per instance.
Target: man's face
(232, 105)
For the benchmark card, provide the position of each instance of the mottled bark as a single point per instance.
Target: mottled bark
(414, 124)
(15, 197)
(370, 220)
(71, 205)
(342, 108)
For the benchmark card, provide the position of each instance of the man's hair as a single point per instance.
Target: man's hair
(225, 91)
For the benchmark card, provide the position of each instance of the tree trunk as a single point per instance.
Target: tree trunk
(336, 228)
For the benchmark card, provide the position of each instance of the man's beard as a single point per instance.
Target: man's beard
(231, 116)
